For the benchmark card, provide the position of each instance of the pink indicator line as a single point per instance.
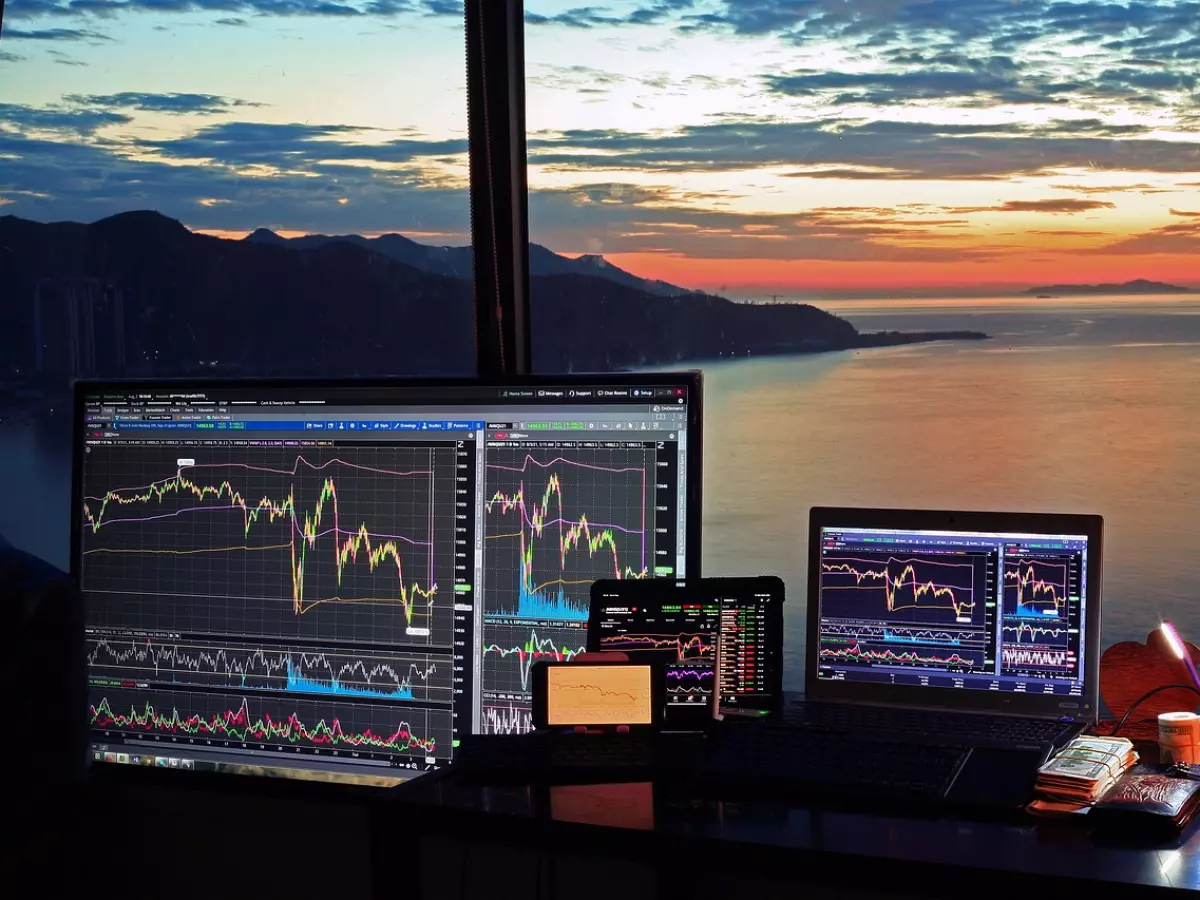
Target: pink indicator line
(225, 508)
(295, 468)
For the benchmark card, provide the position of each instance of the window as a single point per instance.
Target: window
(170, 175)
(737, 184)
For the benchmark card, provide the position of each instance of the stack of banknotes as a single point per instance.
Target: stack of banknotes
(1081, 773)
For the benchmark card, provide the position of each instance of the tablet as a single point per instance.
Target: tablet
(569, 694)
(714, 638)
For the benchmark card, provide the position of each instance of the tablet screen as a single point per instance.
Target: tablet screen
(581, 694)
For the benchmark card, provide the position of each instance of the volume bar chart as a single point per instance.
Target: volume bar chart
(238, 666)
(240, 541)
(1036, 588)
(260, 722)
(555, 521)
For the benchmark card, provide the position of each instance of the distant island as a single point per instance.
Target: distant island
(1137, 286)
(140, 294)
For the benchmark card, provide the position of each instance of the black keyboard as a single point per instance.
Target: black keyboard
(558, 758)
(969, 729)
(811, 765)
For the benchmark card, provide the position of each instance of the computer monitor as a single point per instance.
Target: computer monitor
(970, 609)
(343, 578)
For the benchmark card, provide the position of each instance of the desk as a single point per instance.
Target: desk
(444, 839)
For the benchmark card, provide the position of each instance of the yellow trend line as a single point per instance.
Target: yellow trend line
(562, 581)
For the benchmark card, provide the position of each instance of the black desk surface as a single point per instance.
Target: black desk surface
(929, 856)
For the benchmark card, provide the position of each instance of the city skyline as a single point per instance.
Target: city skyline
(739, 146)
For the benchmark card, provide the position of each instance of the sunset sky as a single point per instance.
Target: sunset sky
(748, 146)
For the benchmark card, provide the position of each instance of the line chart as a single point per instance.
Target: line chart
(936, 637)
(689, 680)
(600, 695)
(395, 676)
(855, 651)
(241, 540)
(1048, 634)
(557, 520)
(669, 647)
(1029, 657)
(510, 652)
(1035, 588)
(507, 719)
(273, 722)
(904, 590)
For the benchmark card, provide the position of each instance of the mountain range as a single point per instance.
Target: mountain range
(1137, 286)
(196, 304)
(457, 262)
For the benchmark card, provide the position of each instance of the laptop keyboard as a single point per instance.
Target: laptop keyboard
(973, 729)
(812, 764)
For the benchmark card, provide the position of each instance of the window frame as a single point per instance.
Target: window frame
(495, 32)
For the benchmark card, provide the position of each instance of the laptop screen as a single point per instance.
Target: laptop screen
(967, 610)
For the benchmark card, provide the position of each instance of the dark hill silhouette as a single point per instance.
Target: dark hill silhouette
(457, 261)
(1137, 286)
(618, 327)
(197, 303)
(191, 298)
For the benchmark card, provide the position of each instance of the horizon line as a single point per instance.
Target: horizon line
(988, 290)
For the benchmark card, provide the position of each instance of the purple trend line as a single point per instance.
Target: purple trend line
(395, 537)
(559, 459)
(570, 462)
(562, 521)
(295, 468)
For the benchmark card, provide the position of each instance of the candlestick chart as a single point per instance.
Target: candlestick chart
(510, 652)
(271, 721)
(557, 520)
(355, 542)
(1036, 588)
(301, 670)
(906, 590)
(664, 647)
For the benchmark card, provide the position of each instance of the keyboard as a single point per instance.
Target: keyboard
(788, 763)
(558, 758)
(968, 729)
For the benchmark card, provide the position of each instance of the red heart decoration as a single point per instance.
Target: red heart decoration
(1129, 669)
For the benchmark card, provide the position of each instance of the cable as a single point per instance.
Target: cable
(1146, 696)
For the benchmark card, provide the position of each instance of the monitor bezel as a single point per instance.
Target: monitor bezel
(1014, 702)
(83, 389)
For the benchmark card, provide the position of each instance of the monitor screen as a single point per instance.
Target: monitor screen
(708, 634)
(979, 610)
(339, 580)
(599, 695)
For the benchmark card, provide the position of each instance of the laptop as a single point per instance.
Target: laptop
(977, 628)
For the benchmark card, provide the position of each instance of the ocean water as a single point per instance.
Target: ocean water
(1088, 405)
